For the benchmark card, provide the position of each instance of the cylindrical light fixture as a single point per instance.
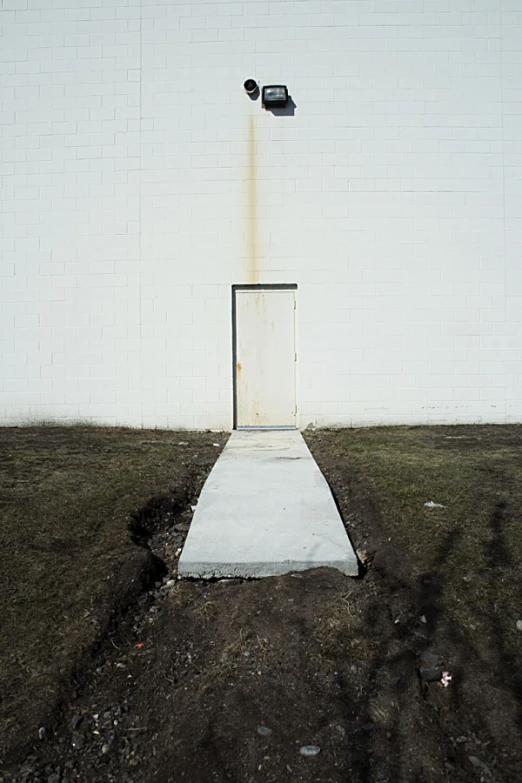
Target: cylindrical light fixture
(250, 86)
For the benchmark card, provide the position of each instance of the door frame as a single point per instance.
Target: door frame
(252, 287)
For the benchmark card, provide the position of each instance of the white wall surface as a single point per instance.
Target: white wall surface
(140, 182)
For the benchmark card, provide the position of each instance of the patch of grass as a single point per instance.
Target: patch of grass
(341, 628)
(205, 611)
(68, 564)
(465, 558)
(245, 650)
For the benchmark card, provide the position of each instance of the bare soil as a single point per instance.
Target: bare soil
(112, 670)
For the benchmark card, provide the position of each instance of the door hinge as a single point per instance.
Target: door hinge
(295, 357)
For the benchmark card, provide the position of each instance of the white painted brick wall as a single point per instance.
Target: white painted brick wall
(392, 197)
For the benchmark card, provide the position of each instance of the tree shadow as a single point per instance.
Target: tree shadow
(498, 557)
(429, 627)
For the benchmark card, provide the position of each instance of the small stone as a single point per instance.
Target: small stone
(309, 750)
(368, 727)
(429, 657)
(430, 675)
(519, 625)
(55, 778)
(78, 741)
(105, 749)
(264, 731)
(364, 556)
(76, 720)
(41, 733)
(477, 762)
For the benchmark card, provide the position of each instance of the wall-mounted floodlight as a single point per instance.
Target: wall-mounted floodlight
(274, 96)
(251, 88)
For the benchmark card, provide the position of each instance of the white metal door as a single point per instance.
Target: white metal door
(265, 358)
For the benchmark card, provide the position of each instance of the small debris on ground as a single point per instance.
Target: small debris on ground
(477, 762)
(78, 741)
(309, 750)
(76, 720)
(264, 731)
(364, 556)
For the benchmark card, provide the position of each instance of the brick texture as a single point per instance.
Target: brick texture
(391, 194)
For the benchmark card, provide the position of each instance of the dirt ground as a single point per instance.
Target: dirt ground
(112, 670)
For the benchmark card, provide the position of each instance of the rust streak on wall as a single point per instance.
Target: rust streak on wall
(252, 237)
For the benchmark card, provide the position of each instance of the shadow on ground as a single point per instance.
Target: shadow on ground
(227, 681)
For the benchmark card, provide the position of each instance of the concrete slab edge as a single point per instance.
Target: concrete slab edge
(259, 570)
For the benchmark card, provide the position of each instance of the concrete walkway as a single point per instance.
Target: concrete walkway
(265, 509)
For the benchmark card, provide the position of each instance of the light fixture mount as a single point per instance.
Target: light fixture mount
(274, 96)
(250, 86)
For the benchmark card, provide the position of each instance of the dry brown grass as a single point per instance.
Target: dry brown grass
(474, 543)
(340, 627)
(67, 563)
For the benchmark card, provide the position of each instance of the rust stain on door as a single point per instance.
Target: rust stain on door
(252, 240)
